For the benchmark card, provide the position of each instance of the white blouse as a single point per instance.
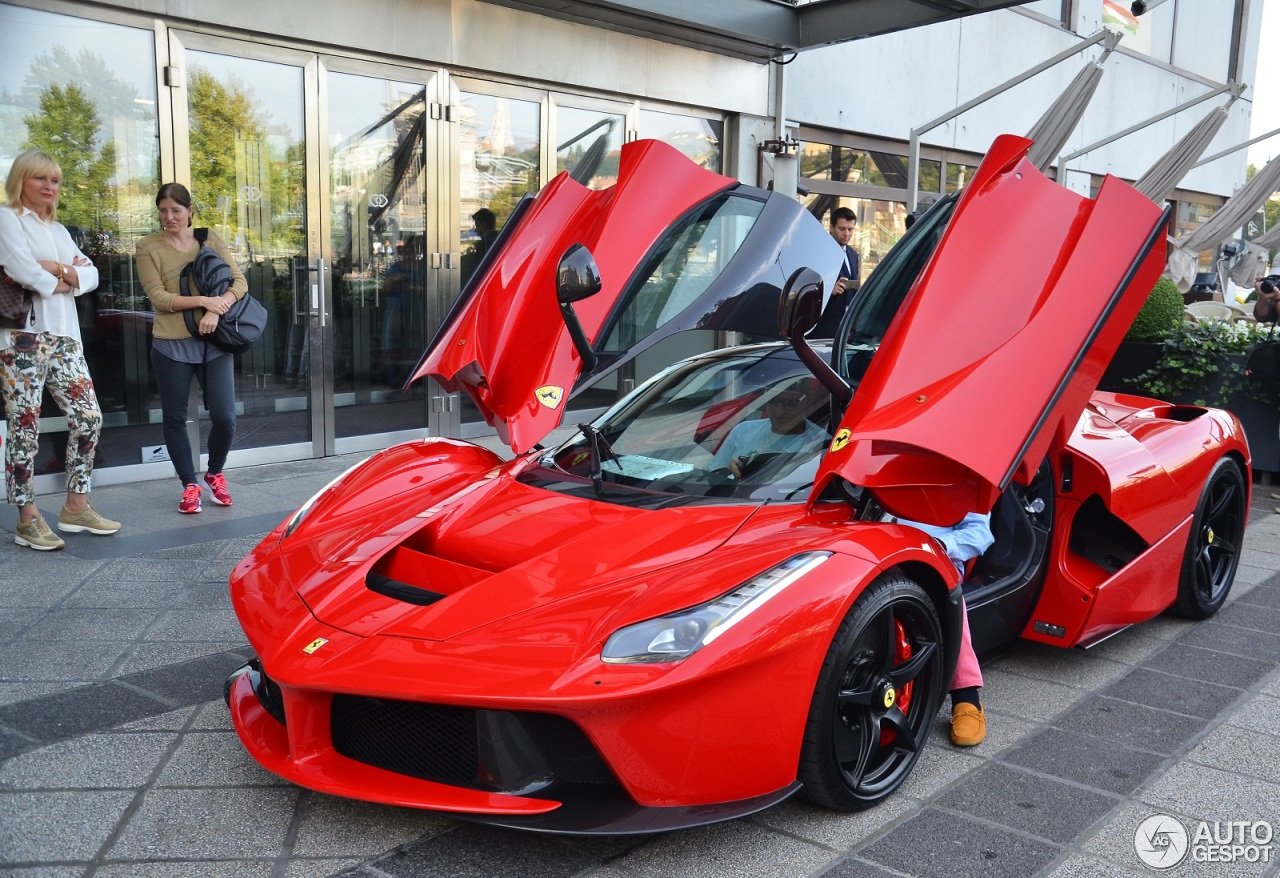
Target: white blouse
(25, 238)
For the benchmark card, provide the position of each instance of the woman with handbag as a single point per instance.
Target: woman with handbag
(177, 356)
(38, 253)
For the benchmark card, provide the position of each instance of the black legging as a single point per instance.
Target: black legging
(218, 381)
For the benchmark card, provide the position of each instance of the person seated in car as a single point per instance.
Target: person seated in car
(962, 542)
(785, 429)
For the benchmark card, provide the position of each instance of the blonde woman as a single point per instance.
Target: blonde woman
(37, 252)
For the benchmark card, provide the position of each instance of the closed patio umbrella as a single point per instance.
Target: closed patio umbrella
(1168, 170)
(1052, 130)
(1223, 224)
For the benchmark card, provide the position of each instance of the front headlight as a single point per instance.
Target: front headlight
(675, 637)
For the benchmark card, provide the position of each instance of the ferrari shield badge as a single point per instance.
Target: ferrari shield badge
(840, 440)
(549, 395)
(314, 645)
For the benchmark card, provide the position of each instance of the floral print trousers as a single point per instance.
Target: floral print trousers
(31, 363)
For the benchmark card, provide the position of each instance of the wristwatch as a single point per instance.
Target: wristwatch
(62, 272)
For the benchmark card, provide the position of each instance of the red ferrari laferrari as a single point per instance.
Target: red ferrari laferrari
(699, 603)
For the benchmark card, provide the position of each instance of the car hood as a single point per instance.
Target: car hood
(506, 342)
(495, 549)
(1000, 341)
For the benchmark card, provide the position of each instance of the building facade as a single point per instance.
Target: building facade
(353, 155)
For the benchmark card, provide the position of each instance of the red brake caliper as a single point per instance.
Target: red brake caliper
(901, 652)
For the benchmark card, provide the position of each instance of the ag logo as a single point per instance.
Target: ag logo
(314, 645)
(549, 395)
(890, 696)
(841, 439)
(1161, 841)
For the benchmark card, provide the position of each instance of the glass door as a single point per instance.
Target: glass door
(381, 243)
(243, 139)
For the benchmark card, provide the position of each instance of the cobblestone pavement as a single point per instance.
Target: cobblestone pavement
(117, 758)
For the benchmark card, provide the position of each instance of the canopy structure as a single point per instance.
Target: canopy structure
(1222, 225)
(1053, 129)
(1051, 124)
(757, 30)
(1163, 176)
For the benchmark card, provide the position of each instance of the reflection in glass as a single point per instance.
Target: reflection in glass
(696, 137)
(248, 179)
(84, 92)
(590, 145)
(377, 180)
(498, 151)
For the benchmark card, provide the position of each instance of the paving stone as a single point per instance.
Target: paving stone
(214, 759)
(153, 656)
(1207, 793)
(332, 827)
(53, 826)
(207, 824)
(15, 622)
(854, 868)
(1072, 668)
(197, 680)
(189, 869)
(832, 828)
(1085, 760)
(197, 625)
(1087, 867)
(1260, 713)
(1180, 695)
(91, 762)
(1033, 698)
(108, 593)
(1244, 751)
(90, 624)
(1114, 843)
(84, 709)
(79, 661)
(1214, 634)
(939, 844)
(1135, 725)
(150, 570)
(725, 850)
(1210, 665)
(482, 852)
(1027, 802)
(1263, 596)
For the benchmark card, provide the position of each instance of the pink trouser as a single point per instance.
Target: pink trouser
(967, 671)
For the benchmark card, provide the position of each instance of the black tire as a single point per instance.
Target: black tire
(1213, 547)
(856, 750)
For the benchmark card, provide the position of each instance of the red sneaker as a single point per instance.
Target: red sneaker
(190, 502)
(218, 488)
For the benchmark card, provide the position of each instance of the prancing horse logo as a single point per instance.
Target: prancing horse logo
(549, 395)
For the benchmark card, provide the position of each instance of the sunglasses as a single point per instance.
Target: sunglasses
(786, 402)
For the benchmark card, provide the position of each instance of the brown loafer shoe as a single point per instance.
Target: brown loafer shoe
(968, 725)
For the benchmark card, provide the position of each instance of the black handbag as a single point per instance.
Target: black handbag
(16, 311)
(244, 321)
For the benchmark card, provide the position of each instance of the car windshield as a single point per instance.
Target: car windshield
(748, 424)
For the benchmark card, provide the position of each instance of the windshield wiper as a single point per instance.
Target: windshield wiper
(600, 449)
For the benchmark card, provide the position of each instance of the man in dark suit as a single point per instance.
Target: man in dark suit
(843, 222)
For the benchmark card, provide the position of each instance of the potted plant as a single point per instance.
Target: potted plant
(1161, 314)
(1202, 363)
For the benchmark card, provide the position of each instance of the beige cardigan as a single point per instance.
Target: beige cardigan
(159, 266)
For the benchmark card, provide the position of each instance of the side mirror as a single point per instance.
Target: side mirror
(577, 276)
(801, 303)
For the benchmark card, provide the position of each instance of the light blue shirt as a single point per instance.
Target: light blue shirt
(963, 541)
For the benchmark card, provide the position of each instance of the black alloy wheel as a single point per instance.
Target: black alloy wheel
(877, 694)
(1213, 547)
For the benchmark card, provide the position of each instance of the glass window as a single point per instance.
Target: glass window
(590, 145)
(696, 137)
(1049, 8)
(687, 260)
(842, 164)
(500, 143)
(958, 175)
(1153, 34)
(85, 92)
(1202, 39)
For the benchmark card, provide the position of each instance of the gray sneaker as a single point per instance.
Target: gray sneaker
(35, 534)
(87, 520)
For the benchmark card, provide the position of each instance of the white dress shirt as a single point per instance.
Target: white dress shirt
(26, 238)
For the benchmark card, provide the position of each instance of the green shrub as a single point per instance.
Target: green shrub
(1161, 314)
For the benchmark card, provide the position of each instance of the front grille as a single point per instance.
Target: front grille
(490, 750)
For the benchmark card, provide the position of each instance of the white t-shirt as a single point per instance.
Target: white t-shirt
(757, 437)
